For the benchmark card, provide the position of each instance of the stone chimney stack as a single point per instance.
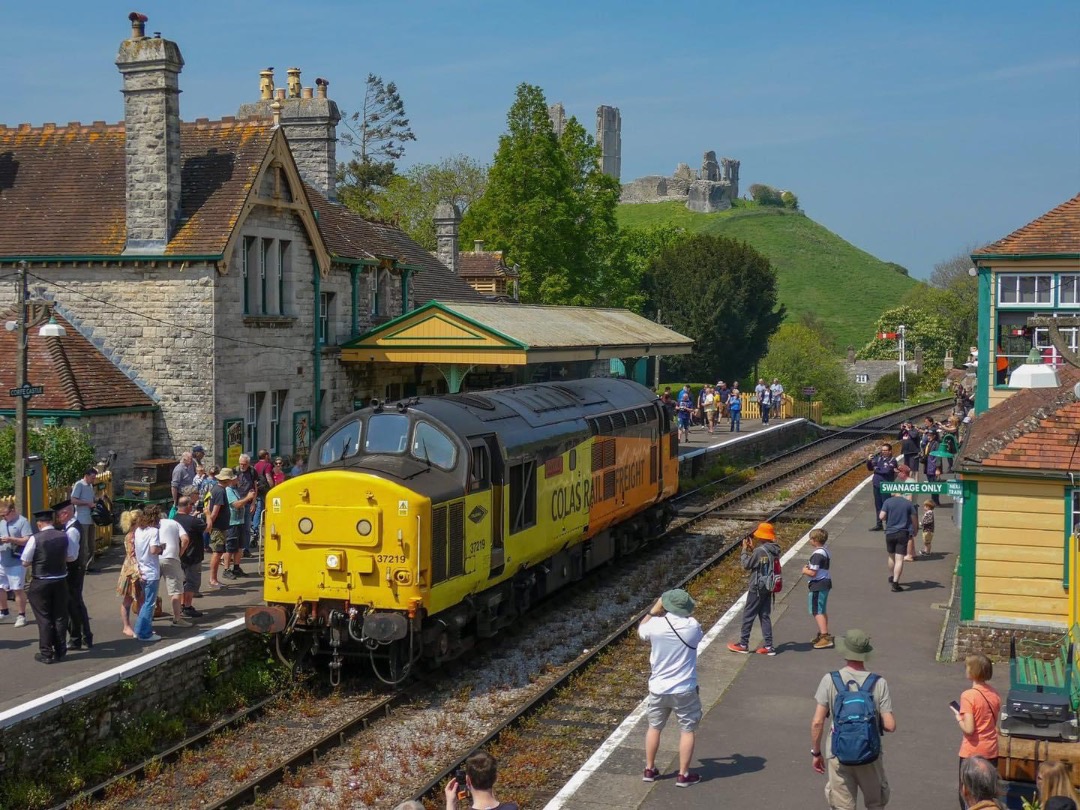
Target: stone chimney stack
(447, 219)
(151, 70)
(310, 125)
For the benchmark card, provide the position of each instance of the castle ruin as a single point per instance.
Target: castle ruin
(713, 188)
(608, 135)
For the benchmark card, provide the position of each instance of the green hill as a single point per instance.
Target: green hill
(818, 272)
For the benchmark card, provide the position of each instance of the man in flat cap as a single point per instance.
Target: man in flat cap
(47, 554)
(674, 636)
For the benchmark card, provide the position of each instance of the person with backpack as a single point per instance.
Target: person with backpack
(860, 707)
(761, 557)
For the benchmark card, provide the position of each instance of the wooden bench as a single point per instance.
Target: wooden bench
(1054, 675)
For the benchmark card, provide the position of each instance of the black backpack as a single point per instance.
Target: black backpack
(101, 513)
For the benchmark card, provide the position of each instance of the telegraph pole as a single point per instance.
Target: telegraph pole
(21, 401)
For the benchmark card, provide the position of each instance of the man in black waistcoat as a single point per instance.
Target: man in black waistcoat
(47, 554)
(78, 616)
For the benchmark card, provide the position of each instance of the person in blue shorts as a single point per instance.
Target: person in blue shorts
(820, 583)
(683, 409)
(735, 409)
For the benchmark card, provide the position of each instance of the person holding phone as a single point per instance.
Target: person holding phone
(479, 776)
(977, 712)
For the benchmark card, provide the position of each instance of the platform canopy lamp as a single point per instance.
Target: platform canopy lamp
(30, 314)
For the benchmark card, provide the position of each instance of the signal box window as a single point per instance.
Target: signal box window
(1015, 289)
(522, 496)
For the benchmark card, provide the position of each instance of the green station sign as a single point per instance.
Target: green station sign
(954, 489)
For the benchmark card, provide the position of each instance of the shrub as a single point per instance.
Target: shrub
(789, 200)
(887, 389)
(766, 195)
(66, 450)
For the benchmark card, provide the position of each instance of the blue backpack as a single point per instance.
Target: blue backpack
(856, 732)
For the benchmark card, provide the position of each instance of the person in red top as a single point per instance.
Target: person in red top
(980, 707)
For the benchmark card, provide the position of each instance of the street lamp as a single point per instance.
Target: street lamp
(22, 390)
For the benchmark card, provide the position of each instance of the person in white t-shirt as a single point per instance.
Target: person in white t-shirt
(172, 571)
(674, 636)
(14, 532)
(147, 550)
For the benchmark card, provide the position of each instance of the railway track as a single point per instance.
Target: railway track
(766, 474)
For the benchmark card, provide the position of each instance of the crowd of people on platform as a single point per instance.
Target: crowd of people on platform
(215, 512)
(715, 404)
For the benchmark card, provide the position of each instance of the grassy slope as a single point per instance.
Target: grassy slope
(818, 271)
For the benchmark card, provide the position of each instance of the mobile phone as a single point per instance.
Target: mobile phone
(954, 705)
(462, 786)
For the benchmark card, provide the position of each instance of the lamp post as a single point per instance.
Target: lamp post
(21, 401)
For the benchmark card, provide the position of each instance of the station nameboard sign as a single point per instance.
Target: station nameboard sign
(954, 489)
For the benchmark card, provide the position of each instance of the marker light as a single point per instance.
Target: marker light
(306, 525)
(363, 528)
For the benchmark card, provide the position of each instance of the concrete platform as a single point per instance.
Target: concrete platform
(700, 439)
(754, 742)
(25, 680)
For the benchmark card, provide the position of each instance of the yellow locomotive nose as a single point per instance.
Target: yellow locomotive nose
(343, 537)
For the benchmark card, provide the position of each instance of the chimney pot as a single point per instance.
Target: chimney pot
(279, 94)
(266, 84)
(138, 25)
(478, 246)
(306, 92)
(294, 82)
(321, 84)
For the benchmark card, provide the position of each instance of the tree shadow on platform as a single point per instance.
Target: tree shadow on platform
(794, 646)
(920, 585)
(725, 767)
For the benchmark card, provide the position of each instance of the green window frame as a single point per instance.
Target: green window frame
(1072, 518)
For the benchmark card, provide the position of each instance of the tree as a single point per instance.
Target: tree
(376, 133)
(409, 199)
(766, 195)
(789, 200)
(923, 329)
(799, 357)
(722, 293)
(953, 296)
(67, 452)
(634, 255)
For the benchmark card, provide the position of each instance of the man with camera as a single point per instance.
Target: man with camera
(673, 635)
(476, 780)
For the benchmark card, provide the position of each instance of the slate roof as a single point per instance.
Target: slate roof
(485, 264)
(1034, 429)
(1056, 232)
(62, 189)
(349, 236)
(75, 374)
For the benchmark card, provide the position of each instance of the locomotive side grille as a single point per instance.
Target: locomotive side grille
(618, 420)
(652, 464)
(438, 545)
(609, 453)
(597, 454)
(609, 484)
(457, 539)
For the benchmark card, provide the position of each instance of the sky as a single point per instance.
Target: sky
(914, 130)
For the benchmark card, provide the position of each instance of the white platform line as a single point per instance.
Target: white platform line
(103, 680)
(617, 737)
(743, 437)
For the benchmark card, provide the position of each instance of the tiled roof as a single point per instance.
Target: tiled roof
(1055, 232)
(1035, 429)
(349, 236)
(75, 374)
(485, 264)
(62, 189)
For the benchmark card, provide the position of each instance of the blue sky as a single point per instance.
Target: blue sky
(914, 130)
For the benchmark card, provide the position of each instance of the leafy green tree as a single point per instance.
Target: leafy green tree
(789, 200)
(799, 357)
(629, 268)
(766, 195)
(923, 329)
(547, 206)
(953, 295)
(722, 293)
(67, 452)
(376, 133)
(409, 199)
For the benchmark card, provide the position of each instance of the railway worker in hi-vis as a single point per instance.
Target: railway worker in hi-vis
(674, 636)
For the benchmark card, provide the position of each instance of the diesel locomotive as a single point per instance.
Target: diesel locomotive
(426, 524)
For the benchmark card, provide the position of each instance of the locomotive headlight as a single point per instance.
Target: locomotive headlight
(363, 528)
(333, 561)
(305, 525)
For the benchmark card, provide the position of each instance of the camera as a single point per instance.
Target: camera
(462, 786)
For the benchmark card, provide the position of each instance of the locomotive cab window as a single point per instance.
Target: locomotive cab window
(431, 444)
(344, 442)
(387, 433)
(522, 478)
(480, 471)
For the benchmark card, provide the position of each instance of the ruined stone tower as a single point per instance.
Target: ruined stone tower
(557, 114)
(609, 137)
(151, 70)
(309, 120)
